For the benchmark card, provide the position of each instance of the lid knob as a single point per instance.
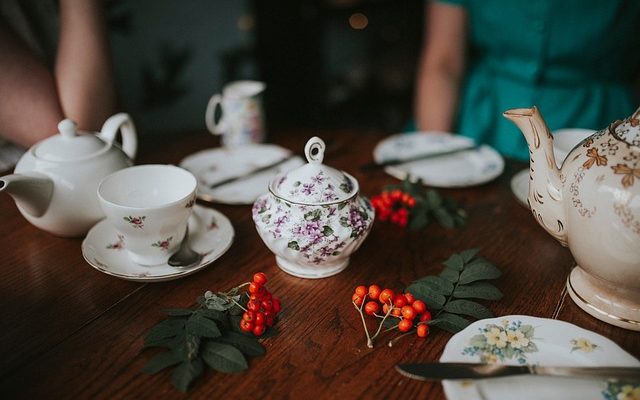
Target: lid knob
(314, 150)
(67, 128)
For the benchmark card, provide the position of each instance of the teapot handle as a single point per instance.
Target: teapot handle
(220, 127)
(121, 122)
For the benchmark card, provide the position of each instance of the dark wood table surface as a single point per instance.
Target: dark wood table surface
(70, 331)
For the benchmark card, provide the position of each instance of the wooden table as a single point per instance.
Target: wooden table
(69, 331)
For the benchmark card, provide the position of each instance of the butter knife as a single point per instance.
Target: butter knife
(438, 371)
(252, 172)
(397, 161)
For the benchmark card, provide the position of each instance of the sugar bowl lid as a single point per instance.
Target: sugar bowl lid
(314, 183)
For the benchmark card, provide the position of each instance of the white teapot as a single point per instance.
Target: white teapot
(592, 205)
(55, 182)
(313, 217)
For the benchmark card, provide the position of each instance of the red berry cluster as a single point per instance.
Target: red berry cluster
(393, 206)
(403, 306)
(262, 307)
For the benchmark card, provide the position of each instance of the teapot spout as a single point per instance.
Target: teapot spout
(32, 193)
(545, 185)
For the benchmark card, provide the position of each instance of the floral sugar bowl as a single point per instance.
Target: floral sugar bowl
(313, 217)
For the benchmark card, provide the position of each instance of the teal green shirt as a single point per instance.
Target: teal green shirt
(576, 60)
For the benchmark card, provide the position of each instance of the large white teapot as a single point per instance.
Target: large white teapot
(592, 205)
(55, 182)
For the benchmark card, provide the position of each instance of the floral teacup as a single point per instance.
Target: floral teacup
(149, 206)
(313, 218)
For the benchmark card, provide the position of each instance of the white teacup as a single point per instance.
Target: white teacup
(149, 206)
(242, 117)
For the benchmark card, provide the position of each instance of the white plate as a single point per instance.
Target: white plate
(210, 233)
(564, 141)
(538, 341)
(215, 165)
(467, 168)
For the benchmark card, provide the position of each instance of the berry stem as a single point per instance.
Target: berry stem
(382, 322)
(364, 324)
(238, 304)
(394, 340)
(235, 289)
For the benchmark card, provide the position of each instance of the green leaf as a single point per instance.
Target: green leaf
(467, 255)
(200, 326)
(185, 373)
(327, 231)
(161, 361)
(478, 290)
(434, 301)
(166, 329)
(450, 322)
(293, 245)
(444, 218)
(418, 220)
(247, 345)
(434, 200)
(450, 274)
(224, 357)
(436, 284)
(455, 262)
(212, 314)
(467, 307)
(478, 270)
(390, 322)
(178, 312)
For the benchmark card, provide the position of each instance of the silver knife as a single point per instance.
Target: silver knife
(438, 371)
(252, 172)
(419, 157)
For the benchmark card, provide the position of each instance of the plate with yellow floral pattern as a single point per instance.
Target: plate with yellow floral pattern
(525, 340)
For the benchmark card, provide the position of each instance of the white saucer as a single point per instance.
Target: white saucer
(215, 165)
(467, 168)
(541, 341)
(520, 186)
(210, 233)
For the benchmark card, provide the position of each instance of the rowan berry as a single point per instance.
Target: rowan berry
(371, 308)
(253, 305)
(276, 305)
(399, 300)
(408, 313)
(258, 330)
(419, 306)
(260, 278)
(357, 300)
(422, 330)
(405, 325)
(246, 326)
(385, 308)
(361, 290)
(425, 316)
(266, 305)
(386, 295)
(374, 292)
(259, 319)
(249, 316)
(410, 298)
(396, 312)
(268, 318)
(254, 288)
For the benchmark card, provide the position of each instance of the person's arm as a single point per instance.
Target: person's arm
(441, 67)
(29, 109)
(83, 67)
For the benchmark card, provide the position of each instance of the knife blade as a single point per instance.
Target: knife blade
(453, 371)
(252, 172)
(397, 161)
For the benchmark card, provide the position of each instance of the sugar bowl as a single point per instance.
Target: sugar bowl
(313, 217)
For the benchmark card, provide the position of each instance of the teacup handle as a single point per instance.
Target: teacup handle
(314, 150)
(121, 122)
(220, 127)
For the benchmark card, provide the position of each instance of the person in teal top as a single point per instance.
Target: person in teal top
(577, 60)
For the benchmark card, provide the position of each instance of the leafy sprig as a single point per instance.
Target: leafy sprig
(464, 277)
(208, 335)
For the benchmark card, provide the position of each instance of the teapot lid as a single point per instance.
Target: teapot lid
(314, 183)
(69, 145)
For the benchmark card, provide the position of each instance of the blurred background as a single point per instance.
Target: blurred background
(326, 63)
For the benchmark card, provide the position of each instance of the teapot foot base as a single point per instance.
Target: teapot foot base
(303, 271)
(603, 301)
